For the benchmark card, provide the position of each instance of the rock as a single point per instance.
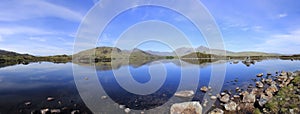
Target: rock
(204, 89)
(271, 89)
(127, 110)
(260, 75)
(255, 91)
(27, 103)
(259, 84)
(225, 98)
(269, 74)
(269, 81)
(292, 111)
(248, 98)
(283, 73)
(205, 103)
(50, 99)
(86, 78)
(45, 111)
(186, 108)
(184, 94)
(236, 96)
(64, 108)
(121, 106)
(209, 88)
(213, 97)
(231, 106)
(263, 100)
(223, 93)
(75, 112)
(282, 78)
(237, 88)
(55, 111)
(103, 97)
(216, 111)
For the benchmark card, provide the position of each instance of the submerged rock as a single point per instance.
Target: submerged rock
(231, 106)
(260, 75)
(216, 111)
(186, 108)
(185, 93)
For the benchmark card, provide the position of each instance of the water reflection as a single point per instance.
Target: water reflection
(36, 81)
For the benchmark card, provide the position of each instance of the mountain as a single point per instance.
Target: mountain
(10, 53)
(105, 54)
(202, 49)
(159, 53)
(11, 58)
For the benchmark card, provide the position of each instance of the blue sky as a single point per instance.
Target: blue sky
(48, 27)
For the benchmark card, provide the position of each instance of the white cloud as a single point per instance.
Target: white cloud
(23, 30)
(282, 15)
(38, 39)
(15, 10)
(282, 43)
(1, 39)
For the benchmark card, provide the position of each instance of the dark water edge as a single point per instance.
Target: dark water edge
(36, 82)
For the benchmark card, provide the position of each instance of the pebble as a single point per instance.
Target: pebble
(213, 97)
(27, 103)
(127, 110)
(75, 112)
(50, 99)
(104, 97)
(121, 106)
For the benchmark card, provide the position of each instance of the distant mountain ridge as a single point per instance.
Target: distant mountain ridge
(185, 51)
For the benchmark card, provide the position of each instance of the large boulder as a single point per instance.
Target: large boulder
(263, 100)
(185, 93)
(186, 108)
(231, 106)
(248, 97)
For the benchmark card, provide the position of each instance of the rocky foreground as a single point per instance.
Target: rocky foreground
(279, 93)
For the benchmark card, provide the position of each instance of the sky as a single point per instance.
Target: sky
(48, 27)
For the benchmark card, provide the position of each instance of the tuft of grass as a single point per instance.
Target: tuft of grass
(256, 111)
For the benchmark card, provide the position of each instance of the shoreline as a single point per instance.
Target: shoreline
(278, 93)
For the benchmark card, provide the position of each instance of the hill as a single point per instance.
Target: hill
(106, 54)
(11, 58)
(202, 49)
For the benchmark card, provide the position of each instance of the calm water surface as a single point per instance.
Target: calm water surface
(37, 81)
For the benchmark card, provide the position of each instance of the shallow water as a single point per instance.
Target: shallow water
(37, 81)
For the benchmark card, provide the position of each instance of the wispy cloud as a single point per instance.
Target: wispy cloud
(15, 10)
(1, 38)
(282, 15)
(12, 30)
(288, 43)
(38, 39)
